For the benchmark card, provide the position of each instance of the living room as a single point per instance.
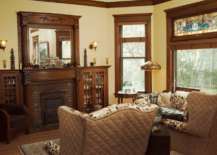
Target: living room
(99, 24)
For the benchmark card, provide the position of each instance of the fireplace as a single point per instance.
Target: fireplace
(46, 99)
(49, 105)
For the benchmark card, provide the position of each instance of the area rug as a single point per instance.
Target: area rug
(35, 148)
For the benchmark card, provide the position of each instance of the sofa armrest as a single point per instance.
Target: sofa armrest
(14, 109)
(201, 112)
(71, 125)
(4, 123)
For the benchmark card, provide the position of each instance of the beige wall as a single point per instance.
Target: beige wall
(93, 26)
(159, 77)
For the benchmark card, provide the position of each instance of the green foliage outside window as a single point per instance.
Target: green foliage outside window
(197, 69)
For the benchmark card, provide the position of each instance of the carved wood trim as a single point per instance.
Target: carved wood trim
(47, 20)
(109, 4)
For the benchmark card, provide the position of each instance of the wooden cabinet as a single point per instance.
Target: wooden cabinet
(91, 88)
(9, 88)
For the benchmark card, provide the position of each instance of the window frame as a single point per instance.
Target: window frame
(198, 41)
(132, 19)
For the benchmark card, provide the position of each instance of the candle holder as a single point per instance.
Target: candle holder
(4, 64)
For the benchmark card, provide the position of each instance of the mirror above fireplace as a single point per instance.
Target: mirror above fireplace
(49, 43)
(43, 35)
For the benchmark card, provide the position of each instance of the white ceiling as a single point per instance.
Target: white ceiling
(113, 0)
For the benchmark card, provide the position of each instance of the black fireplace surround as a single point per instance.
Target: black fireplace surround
(49, 106)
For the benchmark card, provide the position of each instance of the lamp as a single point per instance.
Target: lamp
(150, 65)
(3, 44)
(93, 45)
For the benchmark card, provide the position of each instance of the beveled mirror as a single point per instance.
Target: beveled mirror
(43, 35)
(44, 43)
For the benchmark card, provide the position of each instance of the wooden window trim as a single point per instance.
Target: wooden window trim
(61, 36)
(35, 39)
(130, 19)
(198, 41)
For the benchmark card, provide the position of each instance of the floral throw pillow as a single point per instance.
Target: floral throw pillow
(177, 101)
(52, 148)
(142, 100)
(180, 103)
(178, 125)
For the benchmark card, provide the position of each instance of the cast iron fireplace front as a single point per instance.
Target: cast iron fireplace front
(49, 106)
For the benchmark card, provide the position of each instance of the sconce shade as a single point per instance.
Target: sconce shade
(93, 45)
(150, 65)
(3, 44)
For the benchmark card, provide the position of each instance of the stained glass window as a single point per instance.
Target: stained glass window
(205, 23)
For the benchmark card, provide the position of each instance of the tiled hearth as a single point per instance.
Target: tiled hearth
(45, 100)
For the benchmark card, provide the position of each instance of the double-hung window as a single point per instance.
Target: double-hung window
(132, 50)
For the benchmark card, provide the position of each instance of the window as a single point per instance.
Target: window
(197, 69)
(132, 49)
(66, 51)
(192, 48)
(205, 23)
(63, 45)
(35, 55)
(133, 56)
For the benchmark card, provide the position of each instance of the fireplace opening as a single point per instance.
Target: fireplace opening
(49, 106)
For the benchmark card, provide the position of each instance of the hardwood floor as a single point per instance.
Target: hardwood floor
(12, 149)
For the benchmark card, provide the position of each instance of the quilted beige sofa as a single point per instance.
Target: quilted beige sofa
(115, 130)
(197, 136)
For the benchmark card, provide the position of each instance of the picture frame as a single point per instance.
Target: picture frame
(44, 49)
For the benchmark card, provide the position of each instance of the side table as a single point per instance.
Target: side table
(159, 142)
(125, 95)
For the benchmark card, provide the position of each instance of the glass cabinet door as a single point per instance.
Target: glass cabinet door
(9, 89)
(88, 91)
(99, 85)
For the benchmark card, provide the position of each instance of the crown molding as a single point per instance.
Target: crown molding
(108, 4)
(79, 2)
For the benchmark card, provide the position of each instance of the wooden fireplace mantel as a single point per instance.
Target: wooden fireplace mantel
(45, 76)
(30, 85)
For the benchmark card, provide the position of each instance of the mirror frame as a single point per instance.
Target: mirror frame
(28, 20)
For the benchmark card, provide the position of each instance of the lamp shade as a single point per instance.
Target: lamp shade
(150, 65)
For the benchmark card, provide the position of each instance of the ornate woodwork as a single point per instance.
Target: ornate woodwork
(91, 87)
(142, 18)
(28, 20)
(197, 41)
(109, 4)
(10, 87)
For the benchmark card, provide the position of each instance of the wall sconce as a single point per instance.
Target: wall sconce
(93, 45)
(3, 44)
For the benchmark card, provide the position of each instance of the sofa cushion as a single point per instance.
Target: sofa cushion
(164, 99)
(173, 114)
(16, 120)
(177, 125)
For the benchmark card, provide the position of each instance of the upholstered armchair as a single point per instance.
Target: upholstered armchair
(197, 136)
(114, 130)
(13, 120)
